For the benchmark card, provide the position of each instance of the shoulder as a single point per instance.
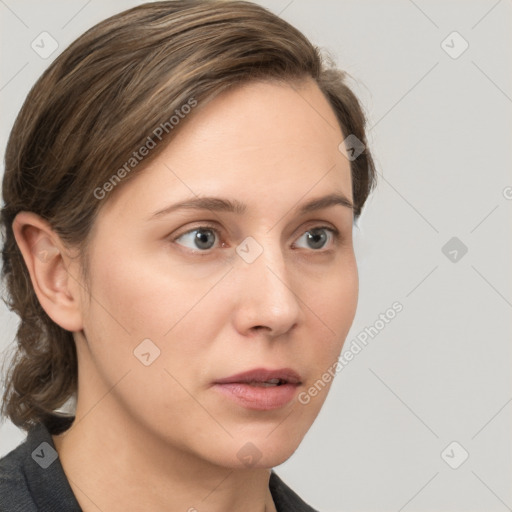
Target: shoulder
(285, 499)
(14, 491)
(32, 478)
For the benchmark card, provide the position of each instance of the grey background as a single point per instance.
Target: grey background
(440, 133)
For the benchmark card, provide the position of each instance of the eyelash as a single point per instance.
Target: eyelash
(336, 237)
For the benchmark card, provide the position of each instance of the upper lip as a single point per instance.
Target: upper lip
(286, 375)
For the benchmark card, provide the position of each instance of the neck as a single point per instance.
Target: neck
(115, 464)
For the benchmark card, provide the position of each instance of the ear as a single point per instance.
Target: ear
(54, 278)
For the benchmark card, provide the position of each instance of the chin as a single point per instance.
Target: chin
(262, 449)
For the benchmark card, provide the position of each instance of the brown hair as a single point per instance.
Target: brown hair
(103, 99)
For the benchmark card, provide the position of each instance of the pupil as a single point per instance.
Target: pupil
(316, 237)
(202, 238)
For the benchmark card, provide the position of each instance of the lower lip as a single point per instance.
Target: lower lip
(257, 397)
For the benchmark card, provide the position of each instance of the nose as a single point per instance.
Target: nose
(268, 298)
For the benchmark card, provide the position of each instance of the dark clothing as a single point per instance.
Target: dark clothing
(32, 478)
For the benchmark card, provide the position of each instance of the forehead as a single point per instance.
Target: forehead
(262, 115)
(262, 137)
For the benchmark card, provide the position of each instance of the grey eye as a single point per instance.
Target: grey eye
(199, 238)
(316, 238)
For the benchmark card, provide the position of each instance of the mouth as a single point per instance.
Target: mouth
(260, 389)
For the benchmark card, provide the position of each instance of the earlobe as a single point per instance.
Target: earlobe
(49, 267)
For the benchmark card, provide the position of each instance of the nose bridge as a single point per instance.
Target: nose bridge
(268, 293)
(264, 260)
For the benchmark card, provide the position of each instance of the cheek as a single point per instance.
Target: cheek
(136, 298)
(132, 302)
(333, 301)
(138, 294)
(335, 295)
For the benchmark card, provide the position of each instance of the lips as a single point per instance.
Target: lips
(260, 389)
(259, 376)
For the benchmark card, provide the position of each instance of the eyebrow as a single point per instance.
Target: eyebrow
(234, 206)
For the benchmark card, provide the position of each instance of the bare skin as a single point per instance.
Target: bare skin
(161, 437)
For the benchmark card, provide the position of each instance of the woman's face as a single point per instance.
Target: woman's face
(185, 298)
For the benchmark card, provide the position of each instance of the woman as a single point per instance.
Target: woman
(180, 190)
